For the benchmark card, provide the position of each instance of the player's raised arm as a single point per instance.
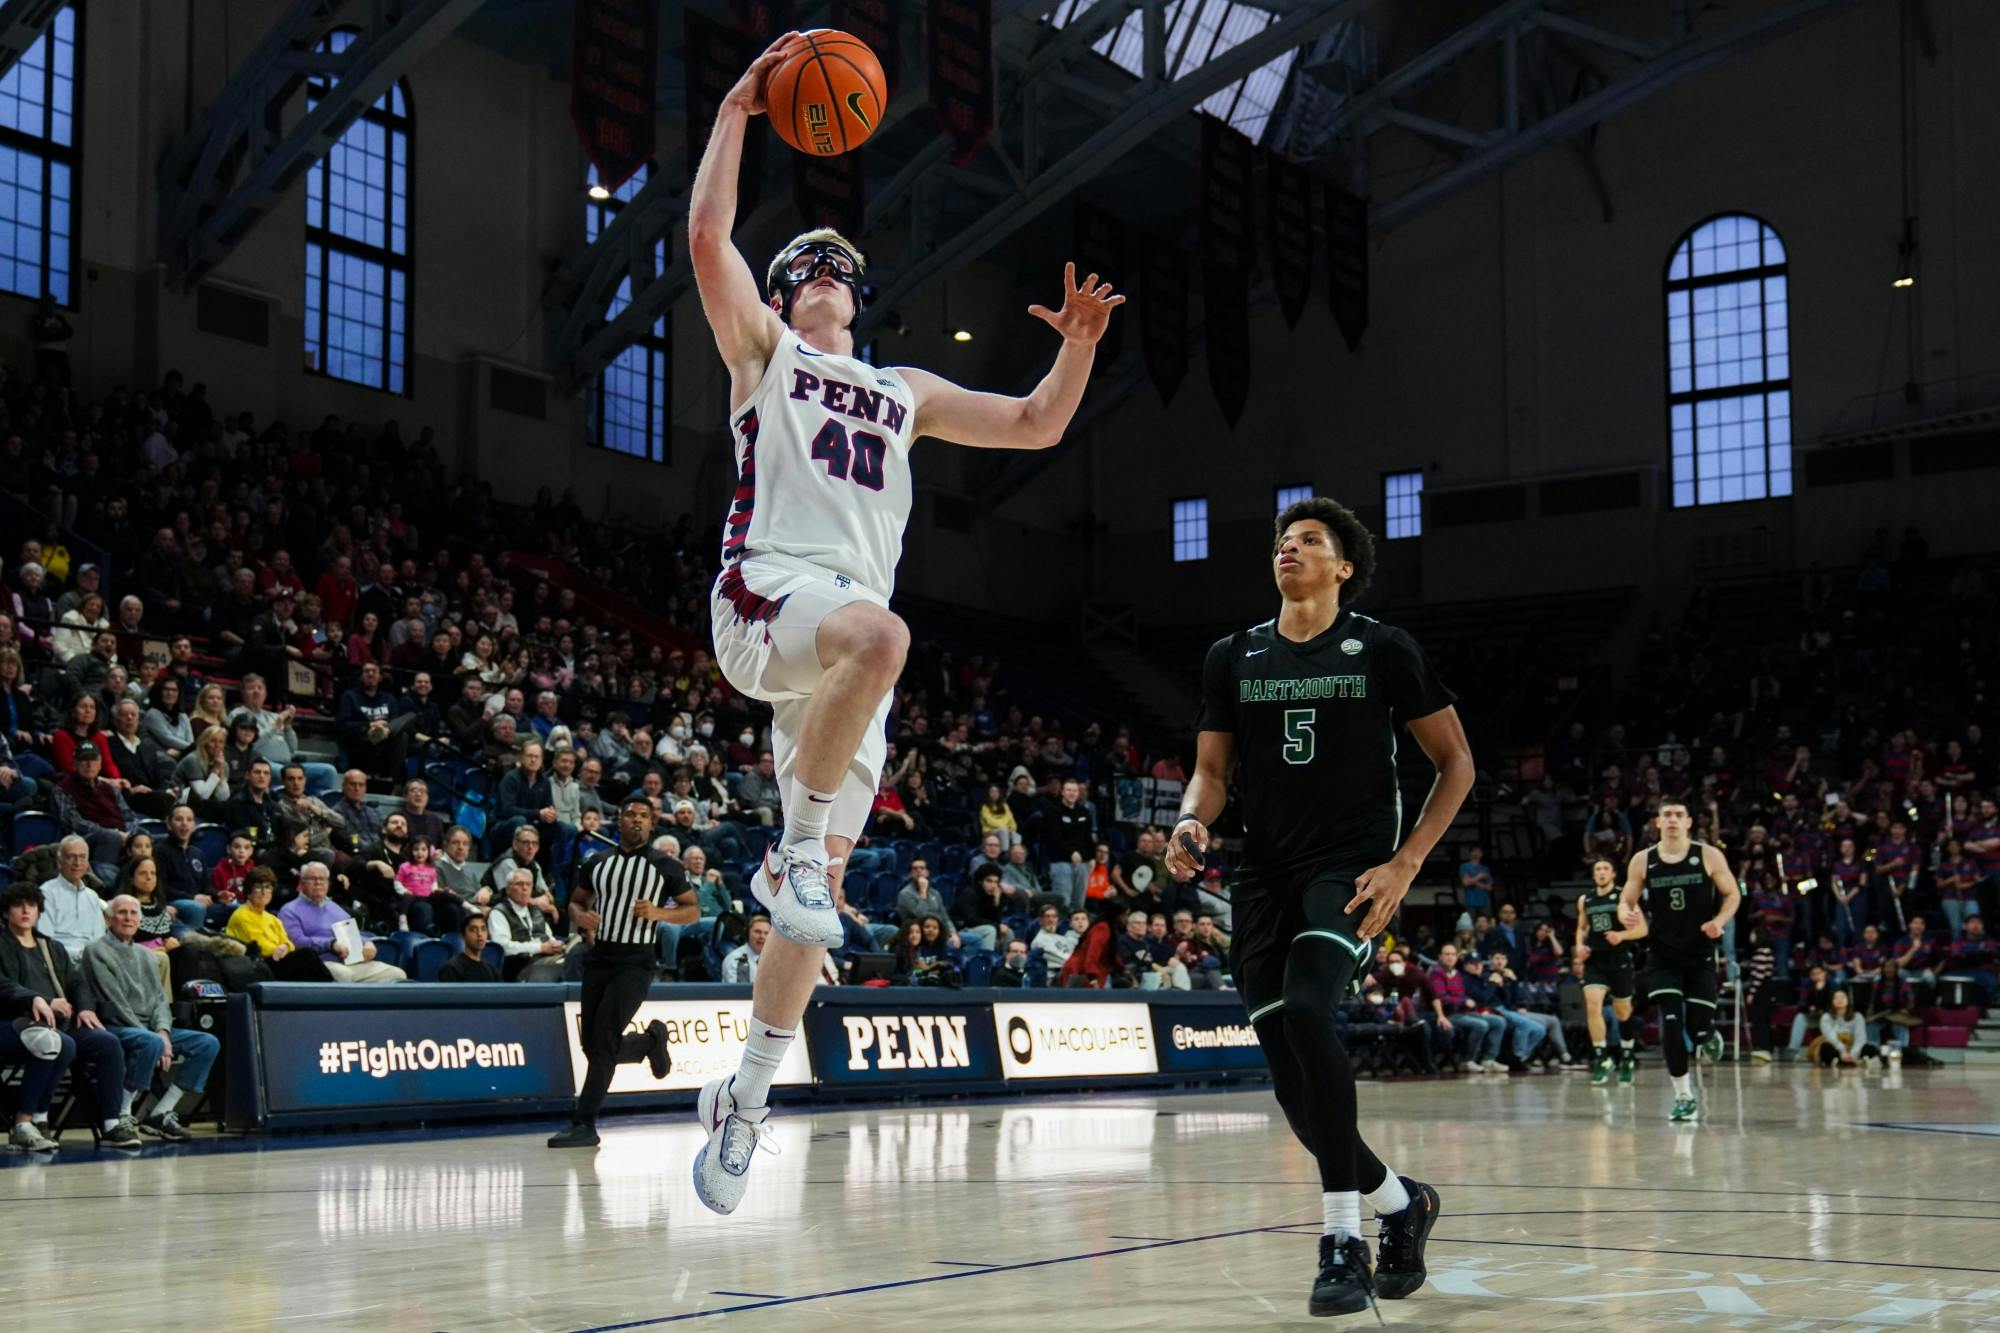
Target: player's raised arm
(996, 421)
(745, 328)
(1731, 893)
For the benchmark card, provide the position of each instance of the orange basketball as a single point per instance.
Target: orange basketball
(827, 97)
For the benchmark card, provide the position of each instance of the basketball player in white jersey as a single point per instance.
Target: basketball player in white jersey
(809, 554)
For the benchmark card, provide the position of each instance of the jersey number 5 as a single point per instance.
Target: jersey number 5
(1298, 735)
(833, 445)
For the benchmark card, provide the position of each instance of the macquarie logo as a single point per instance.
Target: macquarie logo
(906, 1041)
(1075, 1040)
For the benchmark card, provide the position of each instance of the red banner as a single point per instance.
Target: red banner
(613, 81)
(1347, 256)
(1291, 227)
(1100, 249)
(962, 73)
(874, 22)
(1229, 251)
(831, 192)
(716, 57)
(1163, 314)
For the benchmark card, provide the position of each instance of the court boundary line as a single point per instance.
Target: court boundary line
(1283, 1229)
(925, 1280)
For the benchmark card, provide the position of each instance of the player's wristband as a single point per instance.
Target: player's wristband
(1185, 816)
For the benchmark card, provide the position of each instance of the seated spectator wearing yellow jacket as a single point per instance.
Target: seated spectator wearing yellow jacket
(260, 929)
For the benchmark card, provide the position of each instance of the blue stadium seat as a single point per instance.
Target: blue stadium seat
(978, 967)
(407, 942)
(211, 841)
(430, 956)
(933, 854)
(906, 852)
(387, 950)
(495, 956)
(156, 829)
(32, 830)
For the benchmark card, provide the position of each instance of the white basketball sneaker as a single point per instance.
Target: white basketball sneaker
(793, 889)
(722, 1167)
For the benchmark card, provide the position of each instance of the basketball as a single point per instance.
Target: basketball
(827, 98)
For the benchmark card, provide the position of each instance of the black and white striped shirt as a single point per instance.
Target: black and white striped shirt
(621, 879)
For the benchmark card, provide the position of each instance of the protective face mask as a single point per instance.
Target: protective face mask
(1396, 969)
(707, 729)
(747, 738)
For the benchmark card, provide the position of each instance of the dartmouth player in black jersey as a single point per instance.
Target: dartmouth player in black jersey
(1306, 709)
(1601, 940)
(1691, 895)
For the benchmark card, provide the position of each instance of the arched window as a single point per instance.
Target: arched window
(38, 116)
(1729, 369)
(358, 242)
(628, 406)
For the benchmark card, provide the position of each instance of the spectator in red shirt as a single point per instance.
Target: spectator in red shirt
(891, 819)
(1849, 887)
(1982, 842)
(279, 574)
(339, 594)
(1773, 909)
(1974, 954)
(80, 728)
(1957, 885)
(1916, 955)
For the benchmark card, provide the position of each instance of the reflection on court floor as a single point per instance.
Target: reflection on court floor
(1806, 1200)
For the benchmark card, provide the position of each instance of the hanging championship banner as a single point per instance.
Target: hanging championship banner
(716, 58)
(1100, 249)
(1163, 320)
(831, 192)
(613, 76)
(1229, 249)
(875, 22)
(962, 73)
(1290, 213)
(762, 20)
(1347, 257)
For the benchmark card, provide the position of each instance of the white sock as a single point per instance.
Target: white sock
(1683, 1085)
(131, 1095)
(168, 1102)
(1388, 1198)
(806, 815)
(40, 1118)
(110, 1125)
(761, 1058)
(1343, 1212)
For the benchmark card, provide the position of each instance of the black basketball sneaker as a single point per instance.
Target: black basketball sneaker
(1399, 1245)
(1344, 1284)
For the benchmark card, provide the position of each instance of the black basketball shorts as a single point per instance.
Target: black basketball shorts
(1269, 914)
(1610, 968)
(1671, 974)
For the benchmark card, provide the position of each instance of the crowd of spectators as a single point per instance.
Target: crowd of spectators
(265, 684)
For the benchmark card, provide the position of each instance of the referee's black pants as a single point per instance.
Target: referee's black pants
(615, 983)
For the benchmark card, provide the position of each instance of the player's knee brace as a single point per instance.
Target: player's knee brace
(1700, 1018)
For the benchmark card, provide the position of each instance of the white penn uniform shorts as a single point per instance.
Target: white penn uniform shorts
(766, 611)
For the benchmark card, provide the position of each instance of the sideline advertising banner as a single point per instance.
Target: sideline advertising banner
(939, 1040)
(1202, 1037)
(706, 1038)
(1054, 1040)
(326, 1059)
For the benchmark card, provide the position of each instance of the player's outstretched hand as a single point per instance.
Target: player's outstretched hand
(749, 90)
(1383, 888)
(1182, 864)
(1712, 929)
(1086, 308)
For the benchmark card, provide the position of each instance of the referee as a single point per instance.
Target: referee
(633, 887)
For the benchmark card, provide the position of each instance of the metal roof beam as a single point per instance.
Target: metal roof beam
(22, 23)
(232, 168)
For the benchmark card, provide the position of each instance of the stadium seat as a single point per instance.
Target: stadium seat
(32, 830)
(211, 842)
(388, 950)
(430, 956)
(407, 942)
(978, 967)
(156, 829)
(495, 956)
